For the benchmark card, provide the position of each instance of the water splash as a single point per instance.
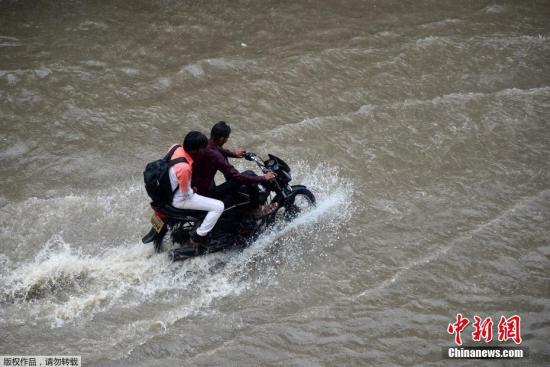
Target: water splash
(68, 282)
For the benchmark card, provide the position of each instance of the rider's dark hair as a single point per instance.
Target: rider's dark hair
(220, 130)
(194, 140)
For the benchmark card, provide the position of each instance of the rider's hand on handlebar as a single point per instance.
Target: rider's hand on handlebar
(269, 176)
(239, 152)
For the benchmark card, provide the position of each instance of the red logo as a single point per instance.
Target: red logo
(457, 327)
(483, 329)
(508, 329)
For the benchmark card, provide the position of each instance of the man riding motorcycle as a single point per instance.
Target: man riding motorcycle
(214, 158)
(184, 197)
(237, 226)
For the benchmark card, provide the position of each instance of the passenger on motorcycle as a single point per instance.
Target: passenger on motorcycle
(214, 158)
(185, 198)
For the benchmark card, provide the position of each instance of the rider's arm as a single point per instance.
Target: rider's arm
(228, 153)
(231, 173)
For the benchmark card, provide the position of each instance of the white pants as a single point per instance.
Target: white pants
(212, 206)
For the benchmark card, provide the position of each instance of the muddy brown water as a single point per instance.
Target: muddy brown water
(422, 128)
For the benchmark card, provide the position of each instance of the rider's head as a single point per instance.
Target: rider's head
(195, 142)
(220, 133)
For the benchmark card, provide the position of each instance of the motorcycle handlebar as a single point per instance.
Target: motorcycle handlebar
(249, 156)
(253, 157)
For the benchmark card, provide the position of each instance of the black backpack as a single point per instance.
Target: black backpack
(157, 178)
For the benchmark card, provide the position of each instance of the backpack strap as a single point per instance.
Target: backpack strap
(171, 152)
(177, 160)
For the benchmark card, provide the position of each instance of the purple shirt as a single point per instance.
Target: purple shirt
(214, 158)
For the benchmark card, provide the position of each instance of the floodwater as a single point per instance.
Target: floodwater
(421, 126)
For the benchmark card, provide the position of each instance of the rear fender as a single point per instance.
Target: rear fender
(149, 237)
(153, 235)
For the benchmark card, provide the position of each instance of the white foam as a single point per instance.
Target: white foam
(9, 44)
(163, 83)
(230, 63)
(12, 79)
(430, 41)
(494, 9)
(195, 70)
(42, 72)
(15, 150)
(522, 44)
(6, 41)
(513, 92)
(130, 71)
(441, 23)
(94, 63)
(220, 63)
(92, 25)
(366, 109)
(12, 76)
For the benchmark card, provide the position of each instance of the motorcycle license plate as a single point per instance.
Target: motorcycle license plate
(157, 223)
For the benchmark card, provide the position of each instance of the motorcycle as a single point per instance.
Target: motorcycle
(237, 227)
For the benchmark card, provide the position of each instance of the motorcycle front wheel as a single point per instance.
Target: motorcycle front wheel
(298, 201)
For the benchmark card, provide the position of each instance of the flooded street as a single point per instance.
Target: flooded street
(421, 127)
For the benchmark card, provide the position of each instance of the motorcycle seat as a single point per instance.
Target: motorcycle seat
(174, 212)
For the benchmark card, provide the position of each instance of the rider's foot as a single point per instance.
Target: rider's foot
(197, 240)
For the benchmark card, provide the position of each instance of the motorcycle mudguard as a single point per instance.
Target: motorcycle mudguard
(149, 237)
(295, 191)
(156, 237)
(157, 240)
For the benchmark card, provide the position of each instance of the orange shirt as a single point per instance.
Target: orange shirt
(182, 171)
